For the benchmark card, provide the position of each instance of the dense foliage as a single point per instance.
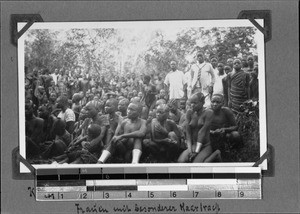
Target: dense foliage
(108, 51)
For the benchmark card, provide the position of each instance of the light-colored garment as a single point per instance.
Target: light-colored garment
(188, 80)
(67, 116)
(207, 76)
(218, 86)
(175, 80)
(202, 77)
(55, 77)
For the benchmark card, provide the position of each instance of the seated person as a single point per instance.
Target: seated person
(166, 138)
(182, 105)
(51, 105)
(41, 95)
(223, 127)
(140, 95)
(198, 122)
(122, 107)
(135, 99)
(33, 130)
(175, 114)
(82, 149)
(49, 120)
(127, 140)
(89, 115)
(114, 119)
(76, 107)
(59, 145)
(162, 95)
(152, 114)
(66, 114)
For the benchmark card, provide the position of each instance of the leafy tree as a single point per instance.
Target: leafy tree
(106, 51)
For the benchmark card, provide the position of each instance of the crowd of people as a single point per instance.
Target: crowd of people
(75, 117)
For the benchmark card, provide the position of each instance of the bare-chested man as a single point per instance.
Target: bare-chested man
(128, 136)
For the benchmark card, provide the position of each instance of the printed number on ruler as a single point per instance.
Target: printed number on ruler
(241, 194)
(173, 194)
(60, 196)
(82, 195)
(105, 195)
(195, 194)
(218, 194)
(151, 195)
(129, 195)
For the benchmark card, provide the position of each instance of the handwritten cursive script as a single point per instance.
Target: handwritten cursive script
(182, 207)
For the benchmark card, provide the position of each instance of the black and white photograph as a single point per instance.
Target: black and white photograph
(142, 92)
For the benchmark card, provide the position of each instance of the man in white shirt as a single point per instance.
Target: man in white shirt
(202, 78)
(218, 86)
(175, 82)
(55, 76)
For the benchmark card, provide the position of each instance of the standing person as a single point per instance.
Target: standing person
(55, 76)
(159, 83)
(203, 78)
(238, 86)
(254, 84)
(149, 96)
(244, 63)
(175, 82)
(219, 75)
(250, 61)
(61, 82)
(225, 80)
(227, 69)
(70, 86)
(76, 107)
(188, 80)
(229, 62)
(214, 63)
(198, 122)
